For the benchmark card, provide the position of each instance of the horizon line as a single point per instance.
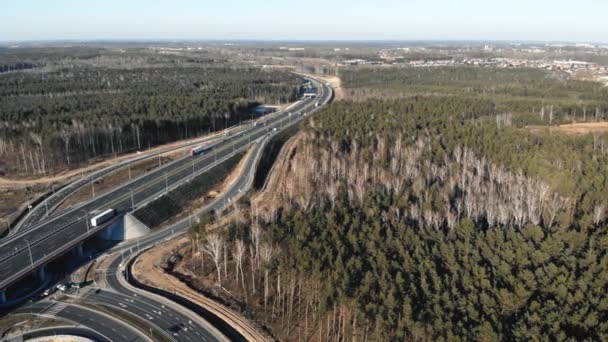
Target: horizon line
(276, 40)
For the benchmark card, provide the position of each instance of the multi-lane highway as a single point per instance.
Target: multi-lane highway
(24, 251)
(104, 324)
(155, 316)
(46, 207)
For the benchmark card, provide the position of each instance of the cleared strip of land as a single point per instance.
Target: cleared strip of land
(576, 128)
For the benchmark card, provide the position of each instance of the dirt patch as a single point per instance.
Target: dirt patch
(148, 270)
(269, 197)
(21, 323)
(574, 129)
(15, 201)
(61, 339)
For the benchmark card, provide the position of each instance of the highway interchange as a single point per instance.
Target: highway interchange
(31, 248)
(37, 244)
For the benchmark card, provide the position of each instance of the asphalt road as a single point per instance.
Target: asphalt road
(105, 325)
(24, 251)
(165, 315)
(61, 331)
(46, 208)
(155, 317)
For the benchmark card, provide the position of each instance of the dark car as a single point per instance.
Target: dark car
(174, 329)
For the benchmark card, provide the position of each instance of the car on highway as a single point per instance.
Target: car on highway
(47, 292)
(176, 328)
(61, 287)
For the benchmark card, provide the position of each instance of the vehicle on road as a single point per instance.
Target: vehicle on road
(103, 217)
(61, 287)
(176, 328)
(47, 292)
(197, 151)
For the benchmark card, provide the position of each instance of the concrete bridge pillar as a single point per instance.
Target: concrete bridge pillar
(2, 296)
(79, 251)
(41, 274)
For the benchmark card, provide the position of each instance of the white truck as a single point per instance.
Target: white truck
(102, 218)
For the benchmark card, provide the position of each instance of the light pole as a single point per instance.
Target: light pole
(193, 166)
(129, 171)
(93, 188)
(86, 218)
(166, 183)
(132, 201)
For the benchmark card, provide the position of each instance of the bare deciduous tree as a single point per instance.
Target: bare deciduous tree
(214, 247)
(237, 254)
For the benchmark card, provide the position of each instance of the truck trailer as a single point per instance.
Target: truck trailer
(102, 218)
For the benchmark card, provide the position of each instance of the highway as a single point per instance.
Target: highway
(106, 325)
(182, 324)
(155, 315)
(46, 207)
(59, 331)
(24, 251)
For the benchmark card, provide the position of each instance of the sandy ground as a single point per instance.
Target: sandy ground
(16, 324)
(147, 270)
(265, 200)
(15, 201)
(60, 338)
(575, 129)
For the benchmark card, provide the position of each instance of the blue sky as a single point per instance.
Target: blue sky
(551, 20)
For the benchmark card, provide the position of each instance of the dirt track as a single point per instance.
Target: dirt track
(269, 197)
(148, 271)
(575, 129)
